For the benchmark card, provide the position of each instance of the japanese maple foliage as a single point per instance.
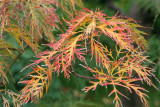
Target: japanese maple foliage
(30, 21)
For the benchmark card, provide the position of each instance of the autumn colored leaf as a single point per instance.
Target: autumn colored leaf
(32, 22)
(40, 78)
(120, 70)
(11, 94)
(27, 20)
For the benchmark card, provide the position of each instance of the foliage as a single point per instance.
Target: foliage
(32, 23)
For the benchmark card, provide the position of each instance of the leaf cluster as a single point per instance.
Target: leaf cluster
(32, 23)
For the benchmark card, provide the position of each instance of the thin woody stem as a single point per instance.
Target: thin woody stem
(82, 75)
(14, 60)
(19, 50)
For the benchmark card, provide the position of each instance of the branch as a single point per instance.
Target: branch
(14, 49)
(82, 75)
(14, 60)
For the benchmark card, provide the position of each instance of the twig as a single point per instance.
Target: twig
(19, 50)
(82, 75)
(14, 60)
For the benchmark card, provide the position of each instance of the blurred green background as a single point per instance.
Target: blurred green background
(67, 93)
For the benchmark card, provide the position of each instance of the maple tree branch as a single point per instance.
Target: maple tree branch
(14, 60)
(19, 50)
(82, 75)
